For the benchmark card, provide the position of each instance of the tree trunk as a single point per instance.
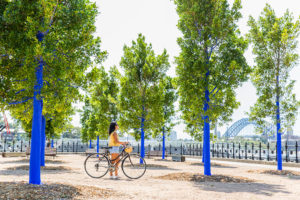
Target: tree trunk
(142, 140)
(163, 144)
(35, 151)
(279, 157)
(43, 141)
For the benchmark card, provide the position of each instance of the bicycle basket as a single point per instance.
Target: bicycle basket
(128, 149)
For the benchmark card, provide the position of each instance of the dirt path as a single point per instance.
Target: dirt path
(264, 187)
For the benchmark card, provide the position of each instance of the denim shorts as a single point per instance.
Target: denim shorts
(115, 149)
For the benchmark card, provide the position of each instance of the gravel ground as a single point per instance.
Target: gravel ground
(163, 180)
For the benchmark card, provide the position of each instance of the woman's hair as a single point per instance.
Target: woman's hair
(112, 127)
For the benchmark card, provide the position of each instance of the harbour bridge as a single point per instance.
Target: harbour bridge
(236, 128)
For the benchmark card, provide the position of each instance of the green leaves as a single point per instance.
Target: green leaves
(101, 106)
(68, 50)
(274, 45)
(211, 58)
(146, 92)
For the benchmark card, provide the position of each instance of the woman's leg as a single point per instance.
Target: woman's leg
(113, 158)
(117, 166)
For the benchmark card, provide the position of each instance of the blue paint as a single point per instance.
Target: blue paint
(52, 145)
(20, 91)
(163, 144)
(279, 157)
(142, 140)
(40, 36)
(90, 144)
(35, 150)
(43, 141)
(206, 129)
(19, 102)
(97, 144)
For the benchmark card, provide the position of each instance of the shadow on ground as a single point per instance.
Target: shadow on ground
(256, 188)
(22, 170)
(26, 160)
(282, 173)
(213, 165)
(159, 167)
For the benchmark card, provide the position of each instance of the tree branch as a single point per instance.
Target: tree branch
(19, 102)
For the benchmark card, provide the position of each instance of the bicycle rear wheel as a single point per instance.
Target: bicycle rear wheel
(134, 166)
(96, 165)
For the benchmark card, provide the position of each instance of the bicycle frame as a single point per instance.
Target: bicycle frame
(123, 155)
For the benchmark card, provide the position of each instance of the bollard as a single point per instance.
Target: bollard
(233, 156)
(286, 152)
(239, 150)
(268, 146)
(21, 145)
(62, 146)
(4, 150)
(246, 151)
(252, 151)
(181, 149)
(296, 152)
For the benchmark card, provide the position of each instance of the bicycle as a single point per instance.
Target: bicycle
(97, 165)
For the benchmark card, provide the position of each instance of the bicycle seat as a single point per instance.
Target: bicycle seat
(106, 147)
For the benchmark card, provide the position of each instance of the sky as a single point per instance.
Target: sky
(119, 22)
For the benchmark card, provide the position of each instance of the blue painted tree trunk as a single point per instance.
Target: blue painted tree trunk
(163, 144)
(98, 144)
(90, 144)
(35, 150)
(142, 140)
(206, 130)
(279, 157)
(52, 143)
(43, 141)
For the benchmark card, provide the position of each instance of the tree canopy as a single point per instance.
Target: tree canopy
(68, 49)
(275, 44)
(142, 88)
(211, 61)
(101, 105)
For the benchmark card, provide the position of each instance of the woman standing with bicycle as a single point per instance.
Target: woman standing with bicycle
(114, 143)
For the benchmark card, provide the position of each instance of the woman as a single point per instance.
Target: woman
(113, 141)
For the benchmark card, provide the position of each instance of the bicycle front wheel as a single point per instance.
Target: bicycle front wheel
(96, 165)
(134, 166)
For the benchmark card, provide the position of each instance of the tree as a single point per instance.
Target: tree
(141, 95)
(169, 98)
(46, 48)
(101, 105)
(210, 65)
(274, 45)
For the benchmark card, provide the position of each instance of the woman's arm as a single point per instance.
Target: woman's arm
(117, 139)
